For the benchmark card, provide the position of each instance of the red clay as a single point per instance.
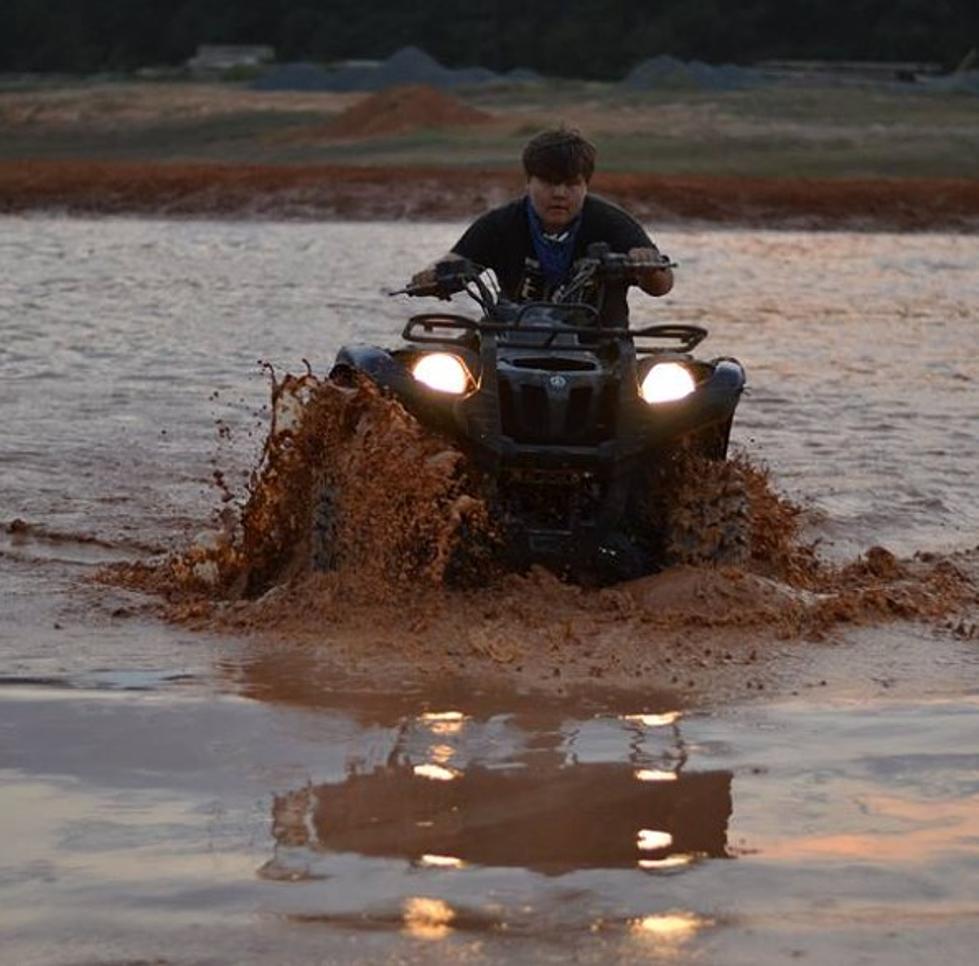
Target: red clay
(331, 191)
(401, 109)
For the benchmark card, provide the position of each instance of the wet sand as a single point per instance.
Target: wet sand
(384, 193)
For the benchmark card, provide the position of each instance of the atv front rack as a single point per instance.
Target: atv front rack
(434, 328)
(689, 337)
(425, 328)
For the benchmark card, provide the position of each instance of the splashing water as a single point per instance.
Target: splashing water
(354, 506)
(347, 481)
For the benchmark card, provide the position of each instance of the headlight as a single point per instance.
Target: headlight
(666, 382)
(442, 371)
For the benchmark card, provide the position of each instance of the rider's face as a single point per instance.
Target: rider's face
(557, 204)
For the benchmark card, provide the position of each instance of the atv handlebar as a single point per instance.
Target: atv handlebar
(449, 276)
(618, 267)
(603, 265)
(600, 264)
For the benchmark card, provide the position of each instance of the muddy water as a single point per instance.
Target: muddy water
(201, 798)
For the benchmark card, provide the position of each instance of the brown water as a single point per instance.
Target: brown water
(229, 796)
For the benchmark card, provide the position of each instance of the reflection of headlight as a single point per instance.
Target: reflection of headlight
(442, 371)
(667, 381)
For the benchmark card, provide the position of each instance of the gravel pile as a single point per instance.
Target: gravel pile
(297, 76)
(410, 65)
(966, 81)
(666, 72)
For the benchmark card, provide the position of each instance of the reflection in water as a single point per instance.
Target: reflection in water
(434, 772)
(654, 775)
(551, 813)
(653, 720)
(668, 929)
(444, 722)
(427, 918)
(665, 865)
(902, 830)
(441, 862)
(652, 840)
(441, 754)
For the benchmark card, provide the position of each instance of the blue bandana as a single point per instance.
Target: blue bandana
(554, 252)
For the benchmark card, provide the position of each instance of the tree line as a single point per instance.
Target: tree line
(597, 39)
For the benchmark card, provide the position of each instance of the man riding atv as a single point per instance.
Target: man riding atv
(532, 243)
(577, 432)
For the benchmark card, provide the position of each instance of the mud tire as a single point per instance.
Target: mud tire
(619, 558)
(473, 560)
(707, 514)
(323, 551)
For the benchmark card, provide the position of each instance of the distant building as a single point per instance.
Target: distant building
(214, 58)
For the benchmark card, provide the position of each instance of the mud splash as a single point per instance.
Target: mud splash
(347, 482)
(350, 482)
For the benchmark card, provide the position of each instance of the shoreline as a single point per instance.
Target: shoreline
(379, 193)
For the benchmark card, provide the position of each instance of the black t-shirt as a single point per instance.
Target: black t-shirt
(501, 240)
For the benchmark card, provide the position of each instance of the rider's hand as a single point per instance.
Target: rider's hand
(435, 279)
(425, 279)
(651, 270)
(643, 260)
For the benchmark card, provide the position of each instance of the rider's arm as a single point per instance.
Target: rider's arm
(427, 275)
(651, 277)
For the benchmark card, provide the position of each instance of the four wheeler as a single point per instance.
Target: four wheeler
(578, 429)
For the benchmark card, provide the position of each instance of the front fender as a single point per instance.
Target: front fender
(436, 410)
(712, 403)
(378, 365)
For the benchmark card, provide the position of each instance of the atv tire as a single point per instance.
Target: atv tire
(620, 558)
(473, 560)
(323, 550)
(707, 514)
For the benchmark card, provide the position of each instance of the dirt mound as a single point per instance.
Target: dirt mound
(401, 109)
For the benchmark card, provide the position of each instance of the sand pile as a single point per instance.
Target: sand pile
(402, 109)
(664, 72)
(409, 65)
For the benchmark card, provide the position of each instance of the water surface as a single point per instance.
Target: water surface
(169, 795)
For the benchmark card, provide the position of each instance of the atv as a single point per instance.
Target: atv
(601, 448)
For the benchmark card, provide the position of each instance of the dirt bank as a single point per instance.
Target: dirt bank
(319, 191)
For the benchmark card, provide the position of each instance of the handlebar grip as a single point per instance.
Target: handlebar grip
(450, 276)
(616, 267)
(420, 291)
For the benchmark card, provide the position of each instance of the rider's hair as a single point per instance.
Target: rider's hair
(559, 155)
